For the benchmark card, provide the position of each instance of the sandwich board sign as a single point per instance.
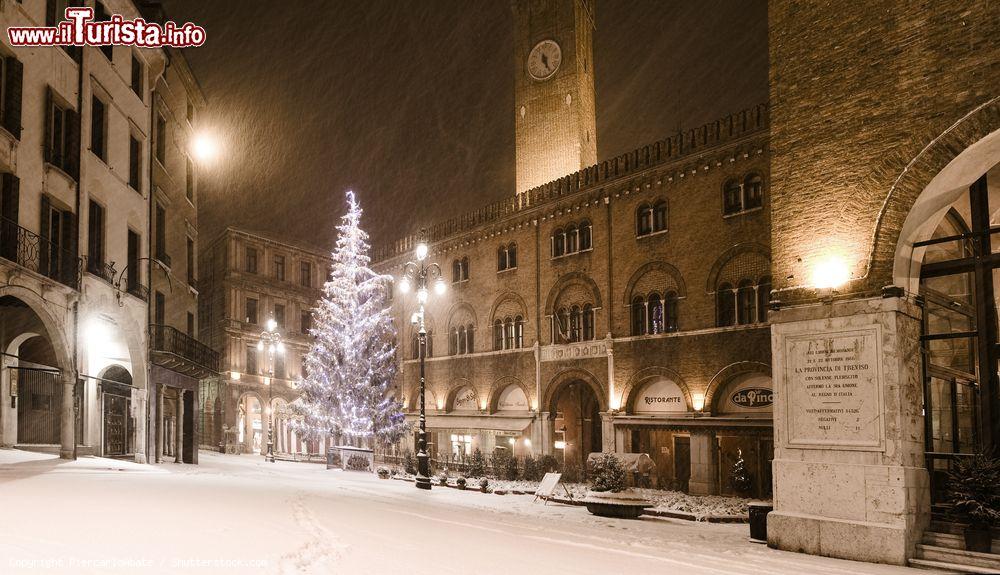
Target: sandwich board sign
(547, 487)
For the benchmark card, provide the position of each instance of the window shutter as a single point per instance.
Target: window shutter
(47, 138)
(50, 13)
(9, 204)
(12, 99)
(73, 144)
(69, 256)
(43, 250)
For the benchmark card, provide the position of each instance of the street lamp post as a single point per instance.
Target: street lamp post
(419, 273)
(270, 340)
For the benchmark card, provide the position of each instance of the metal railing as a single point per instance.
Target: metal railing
(170, 340)
(38, 254)
(102, 270)
(138, 290)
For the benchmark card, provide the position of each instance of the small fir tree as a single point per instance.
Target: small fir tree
(739, 477)
(477, 464)
(973, 490)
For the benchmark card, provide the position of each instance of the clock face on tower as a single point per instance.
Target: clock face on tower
(544, 60)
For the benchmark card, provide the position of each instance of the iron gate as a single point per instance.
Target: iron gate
(117, 415)
(39, 405)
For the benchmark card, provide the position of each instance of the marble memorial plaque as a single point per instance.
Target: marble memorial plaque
(833, 386)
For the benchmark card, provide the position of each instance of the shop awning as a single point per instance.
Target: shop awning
(491, 422)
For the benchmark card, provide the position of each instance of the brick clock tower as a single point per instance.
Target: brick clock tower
(553, 89)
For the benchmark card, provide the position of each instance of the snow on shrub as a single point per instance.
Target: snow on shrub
(608, 474)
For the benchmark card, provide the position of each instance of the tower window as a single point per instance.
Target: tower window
(740, 196)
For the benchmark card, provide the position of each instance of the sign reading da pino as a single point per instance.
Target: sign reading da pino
(753, 398)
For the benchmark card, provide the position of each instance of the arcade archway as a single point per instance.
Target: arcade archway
(576, 412)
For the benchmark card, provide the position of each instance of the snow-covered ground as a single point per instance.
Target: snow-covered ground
(238, 514)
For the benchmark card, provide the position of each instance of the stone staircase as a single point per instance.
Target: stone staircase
(943, 549)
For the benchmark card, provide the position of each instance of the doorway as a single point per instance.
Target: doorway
(577, 423)
(959, 336)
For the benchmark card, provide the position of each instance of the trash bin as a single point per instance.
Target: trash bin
(758, 521)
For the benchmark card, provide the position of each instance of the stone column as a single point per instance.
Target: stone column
(547, 430)
(704, 463)
(139, 415)
(179, 449)
(67, 418)
(608, 432)
(849, 475)
(8, 413)
(161, 420)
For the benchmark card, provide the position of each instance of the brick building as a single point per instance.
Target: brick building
(885, 144)
(618, 307)
(249, 279)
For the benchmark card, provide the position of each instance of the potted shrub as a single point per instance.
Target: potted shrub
(609, 495)
(484, 485)
(443, 479)
(460, 483)
(383, 473)
(975, 498)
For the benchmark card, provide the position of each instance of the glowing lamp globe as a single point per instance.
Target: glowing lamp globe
(281, 347)
(422, 295)
(421, 251)
(271, 324)
(260, 346)
(440, 286)
(205, 148)
(404, 285)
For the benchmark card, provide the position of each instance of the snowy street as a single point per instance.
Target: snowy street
(238, 514)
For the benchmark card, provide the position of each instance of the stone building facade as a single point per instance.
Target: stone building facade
(75, 229)
(179, 360)
(248, 279)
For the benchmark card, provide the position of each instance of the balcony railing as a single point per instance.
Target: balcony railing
(38, 254)
(102, 270)
(167, 339)
(138, 290)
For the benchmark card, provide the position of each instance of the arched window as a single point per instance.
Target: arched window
(746, 302)
(453, 341)
(470, 338)
(572, 240)
(638, 315)
(586, 236)
(660, 216)
(588, 322)
(415, 345)
(574, 323)
(643, 220)
(518, 332)
(508, 327)
(562, 326)
(462, 341)
(456, 271)
(465, 268)
(655, 311)
(732, 201)
(670, 312)
(558, 243)
(512, 255)
(753, 191)
(763, 298)
(726, 305)
(497, 335)
(501, 258)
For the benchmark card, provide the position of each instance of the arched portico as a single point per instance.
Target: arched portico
(36, 372)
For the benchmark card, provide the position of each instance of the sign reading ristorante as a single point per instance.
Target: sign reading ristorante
(833, 383)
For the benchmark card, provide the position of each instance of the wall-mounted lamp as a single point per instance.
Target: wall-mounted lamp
(698, 402)
(234, 375)
(829, 274)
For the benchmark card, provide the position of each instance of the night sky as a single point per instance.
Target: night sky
(411, 104)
